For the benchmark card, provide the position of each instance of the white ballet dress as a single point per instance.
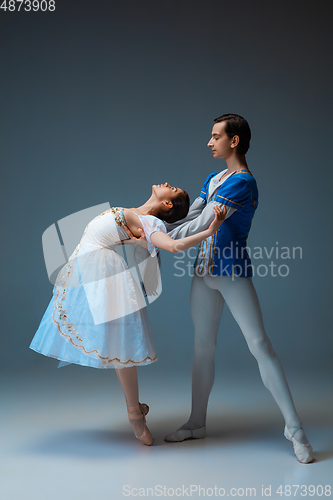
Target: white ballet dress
(97, 316)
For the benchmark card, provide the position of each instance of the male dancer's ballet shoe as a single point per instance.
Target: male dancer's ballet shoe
(183, 434)
(303, 452)
(145, 438)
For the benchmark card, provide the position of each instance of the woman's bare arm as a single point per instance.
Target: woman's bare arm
(164, 242)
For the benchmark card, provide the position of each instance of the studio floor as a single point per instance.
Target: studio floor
(65, 435)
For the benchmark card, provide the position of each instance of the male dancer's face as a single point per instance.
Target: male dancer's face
(220, 143)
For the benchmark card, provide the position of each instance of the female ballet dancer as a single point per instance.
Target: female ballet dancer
(97, 315)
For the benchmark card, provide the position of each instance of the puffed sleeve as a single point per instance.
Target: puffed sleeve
(234, 193)
(150, 224)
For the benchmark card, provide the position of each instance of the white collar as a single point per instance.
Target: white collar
(216, 183)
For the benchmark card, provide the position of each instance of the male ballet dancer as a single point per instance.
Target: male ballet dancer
(223, 273)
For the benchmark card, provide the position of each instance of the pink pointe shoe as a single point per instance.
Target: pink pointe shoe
(145, 438)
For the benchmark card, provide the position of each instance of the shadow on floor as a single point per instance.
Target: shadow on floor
(222, 432)
(87, 443)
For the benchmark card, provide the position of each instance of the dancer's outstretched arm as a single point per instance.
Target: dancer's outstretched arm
(200, 222)
(194, 211)
(165, 242)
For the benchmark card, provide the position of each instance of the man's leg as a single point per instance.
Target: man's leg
(241, 298)
(206, 310)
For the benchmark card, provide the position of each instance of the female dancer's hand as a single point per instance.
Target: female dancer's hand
(218, 219)
(141, 241)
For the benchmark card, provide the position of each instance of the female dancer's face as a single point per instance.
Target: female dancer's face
(165, 191)
(220, 144)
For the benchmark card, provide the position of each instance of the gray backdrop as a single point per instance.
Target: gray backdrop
(100, 100)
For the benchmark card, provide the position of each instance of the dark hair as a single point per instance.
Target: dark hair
(179, 210)
(237, 125)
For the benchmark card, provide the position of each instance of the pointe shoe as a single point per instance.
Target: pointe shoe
(144, 408)
(183, 434)
(145, 438)
(303, 452)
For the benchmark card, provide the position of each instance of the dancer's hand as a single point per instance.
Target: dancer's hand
(141, 241)
(218, 219)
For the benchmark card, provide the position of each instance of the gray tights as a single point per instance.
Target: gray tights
(208, 295)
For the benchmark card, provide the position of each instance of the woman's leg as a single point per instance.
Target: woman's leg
(128, 378)
(241, 298)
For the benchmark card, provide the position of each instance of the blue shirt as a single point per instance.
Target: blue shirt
(226, 251)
